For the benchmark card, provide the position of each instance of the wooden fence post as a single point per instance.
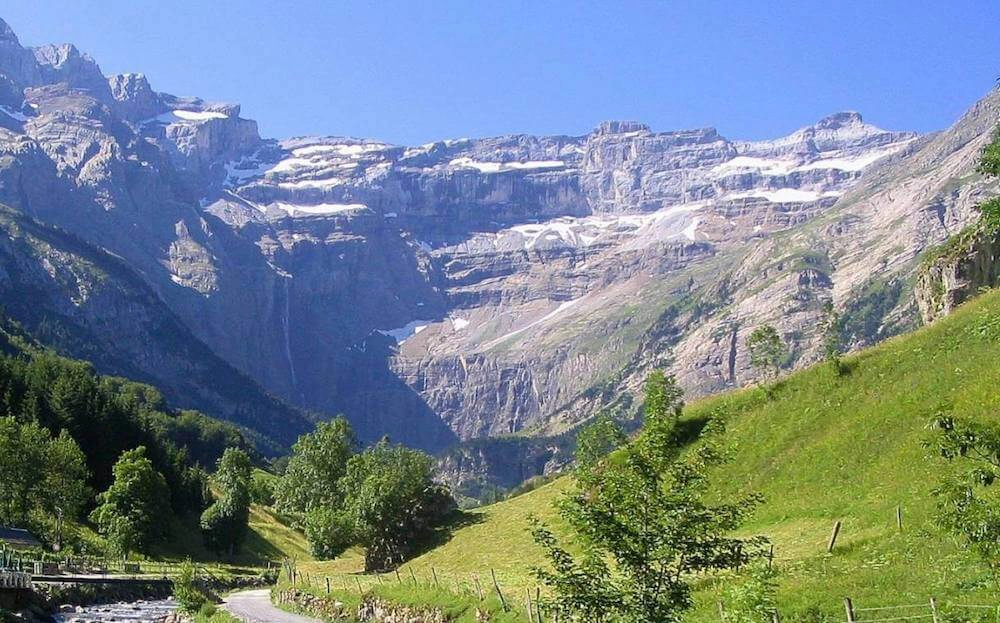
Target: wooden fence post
(527, 594)
(899, 518)
(770, 557)
(479, 588)
(398, 579)
(496, 585)
(849, 608)
(414, 576)
(833, 537)
(435, 576)
(328, 586)
(538, 604)
(934, 610)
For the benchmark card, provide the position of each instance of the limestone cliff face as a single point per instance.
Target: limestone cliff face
(480, 287)
(965, 265)
(91, 305)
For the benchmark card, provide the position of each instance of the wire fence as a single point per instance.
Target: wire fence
(475, 587)
(52, 566)
(926, 611)
(531, 604)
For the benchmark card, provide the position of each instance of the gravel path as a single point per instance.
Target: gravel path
(256, 607)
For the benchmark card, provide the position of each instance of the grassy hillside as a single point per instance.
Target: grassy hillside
(270, 539)
(824, 448)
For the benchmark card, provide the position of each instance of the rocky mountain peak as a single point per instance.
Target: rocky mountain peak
(840, 119)
(65, 63)
(18, 68)
(7, 34)
(621, 127)
(59, 55)
(135, 98)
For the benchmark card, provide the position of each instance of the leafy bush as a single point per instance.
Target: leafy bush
(189, 596)
(752, 599)
(329, 533)
(989, 161)
(262, 488)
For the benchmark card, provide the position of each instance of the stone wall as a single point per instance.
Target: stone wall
(372, 609)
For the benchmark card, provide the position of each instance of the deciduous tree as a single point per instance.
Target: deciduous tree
(967, 505)
(318, 462)
(767, 351)
(224, 523)
(390, 504)
(40, 477)
(644, 524)
(135, 510)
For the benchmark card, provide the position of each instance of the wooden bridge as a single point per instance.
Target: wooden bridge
(90, 578)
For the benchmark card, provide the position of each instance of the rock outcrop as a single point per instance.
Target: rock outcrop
(958, 271)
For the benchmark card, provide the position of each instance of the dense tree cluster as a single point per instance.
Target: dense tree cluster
(41, 476)
(67, 432)
(383, 498)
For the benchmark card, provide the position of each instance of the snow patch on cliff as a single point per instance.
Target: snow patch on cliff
(785, 195)
(294, 209)
(500, 167)
(546, 318)
(186, 116)
(588, 230)
(406, 331)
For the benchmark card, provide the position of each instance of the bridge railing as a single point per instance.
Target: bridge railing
(14, 579)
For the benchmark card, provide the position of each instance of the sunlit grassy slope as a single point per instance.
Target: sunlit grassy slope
(824, 448)
(270, 538)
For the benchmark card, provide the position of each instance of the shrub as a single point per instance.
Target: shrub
(189, 596)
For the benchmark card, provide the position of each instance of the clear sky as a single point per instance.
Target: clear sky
(411, 72)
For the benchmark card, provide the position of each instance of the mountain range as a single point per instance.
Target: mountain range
(444, 294)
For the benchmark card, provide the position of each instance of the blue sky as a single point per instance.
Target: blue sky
(411, 72)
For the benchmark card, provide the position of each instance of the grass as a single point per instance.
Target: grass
(493, 537)
(270, 538)
(456, 606)
(824, 447)
(213, 614)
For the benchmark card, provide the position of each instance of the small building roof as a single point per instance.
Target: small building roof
(18, 538)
